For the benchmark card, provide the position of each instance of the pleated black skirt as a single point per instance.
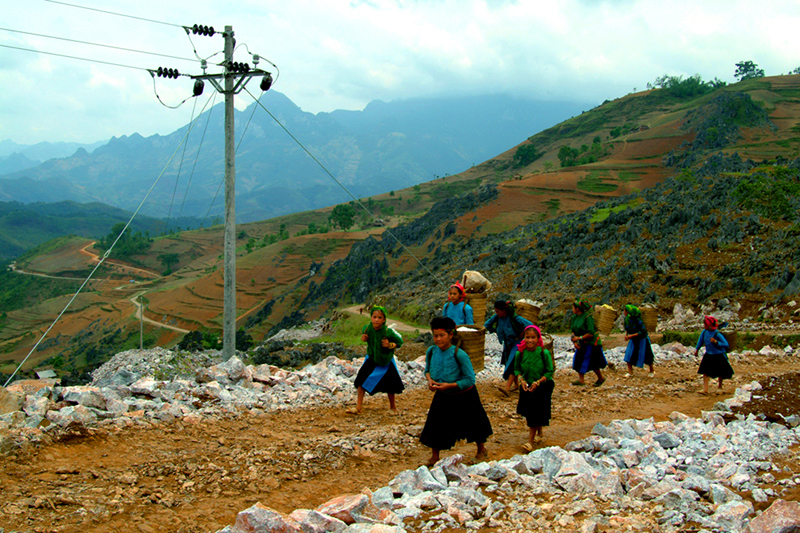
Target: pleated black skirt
(715, 365)
(536, 405)
(454, 416)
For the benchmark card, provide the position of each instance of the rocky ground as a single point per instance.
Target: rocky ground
(160, 445)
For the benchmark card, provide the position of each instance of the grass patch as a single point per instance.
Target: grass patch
(593, 182)
(346, 330)
(626, 176)
(316, 248)
(687, 338)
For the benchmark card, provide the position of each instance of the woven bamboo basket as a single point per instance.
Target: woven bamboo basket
(477, 300)
(526, 310)
(732, 338)
(473, 342)
(650, 318)
(604, 319)
(547, 340)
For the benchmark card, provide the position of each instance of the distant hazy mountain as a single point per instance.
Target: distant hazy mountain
(386, 146)
(15, 162)
(44, 150)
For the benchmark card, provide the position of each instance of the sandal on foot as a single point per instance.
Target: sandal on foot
(578, 383)
(480, 458)
(353, 411)
(598, 382)
(527, 447)
(503, 391)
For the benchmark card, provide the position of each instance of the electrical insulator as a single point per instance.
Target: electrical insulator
(198, 87)
(167, 72)
(233, 66)
(266, 82)
(203, 30)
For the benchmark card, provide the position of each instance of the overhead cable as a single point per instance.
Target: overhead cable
(114, 13)
(100, 45)
(340, 184)
(72, 57)
(241, 138)
(101, 261)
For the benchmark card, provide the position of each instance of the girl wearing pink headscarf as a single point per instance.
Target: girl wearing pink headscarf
(715, 360)
(457, 307)
(535, 367)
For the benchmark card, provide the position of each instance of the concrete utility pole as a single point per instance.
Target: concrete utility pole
(229, 317)
(235, 77)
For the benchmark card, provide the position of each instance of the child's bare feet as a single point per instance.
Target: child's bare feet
(432, 461)
(393, 411)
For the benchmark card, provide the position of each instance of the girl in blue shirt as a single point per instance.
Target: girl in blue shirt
(509, 327)
(456, 411)
(457, 307)
(715, 361)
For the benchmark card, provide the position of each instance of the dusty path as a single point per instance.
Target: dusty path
(138, 315)
(363, 311)
(94, 258)
(195, 477)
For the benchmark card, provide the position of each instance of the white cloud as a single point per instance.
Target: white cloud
(345, 53)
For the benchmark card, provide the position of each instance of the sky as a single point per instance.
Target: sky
(342, 54)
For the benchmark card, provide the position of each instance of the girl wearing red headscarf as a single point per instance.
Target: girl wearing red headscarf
(715, 361)
(535, 368)
(457, 307)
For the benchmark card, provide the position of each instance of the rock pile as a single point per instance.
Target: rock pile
(631, 474)
(159, 385)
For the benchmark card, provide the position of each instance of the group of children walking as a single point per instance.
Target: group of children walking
(456, 411)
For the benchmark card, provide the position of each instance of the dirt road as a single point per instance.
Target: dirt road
(195, 476)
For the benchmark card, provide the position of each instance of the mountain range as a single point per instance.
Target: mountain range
(14, 157)
(386, 146)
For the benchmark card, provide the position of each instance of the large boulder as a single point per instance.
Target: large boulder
(780, 517)
(10, 401)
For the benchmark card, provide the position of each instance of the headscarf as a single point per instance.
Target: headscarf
(633, 311)
(460, 289)
(582, 304)
(379, 308)
(710, 323)
(523, 345)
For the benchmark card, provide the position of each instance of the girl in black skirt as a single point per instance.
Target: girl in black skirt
(715, 361)
(456, 411)
(534, 366)
(379, 372)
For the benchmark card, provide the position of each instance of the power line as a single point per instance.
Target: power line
(73, 57)
(340, 184)
(100, 45)
(197, 157)
(114, 13)
(101, 261)
(241, 138)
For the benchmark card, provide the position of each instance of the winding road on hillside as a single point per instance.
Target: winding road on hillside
(138, 314)
(96, 259)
